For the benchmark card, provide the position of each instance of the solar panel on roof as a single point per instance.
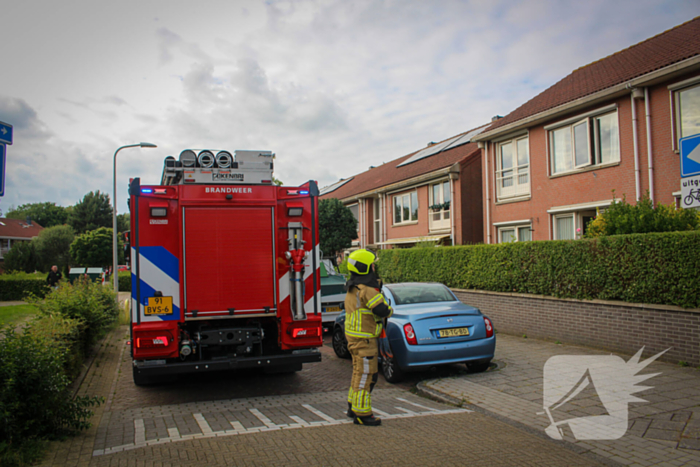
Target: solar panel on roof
(444, 146)
(335, 186)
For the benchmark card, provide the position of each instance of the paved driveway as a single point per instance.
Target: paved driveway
(256, 419)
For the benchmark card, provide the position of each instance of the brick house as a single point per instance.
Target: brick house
(433, 194)
(16, 230)
(611, 125)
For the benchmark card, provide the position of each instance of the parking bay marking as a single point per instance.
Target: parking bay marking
(238, 428)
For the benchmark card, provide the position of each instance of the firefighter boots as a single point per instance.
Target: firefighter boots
(369, 420)
(350, 413)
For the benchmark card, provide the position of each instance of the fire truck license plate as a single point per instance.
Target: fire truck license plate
(330, 309)
(453, 332)
(159, 306)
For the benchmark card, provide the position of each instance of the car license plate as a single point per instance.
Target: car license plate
(453, 332)
(159, 306)
(330, 309)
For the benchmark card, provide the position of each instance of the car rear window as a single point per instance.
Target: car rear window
(420, 293)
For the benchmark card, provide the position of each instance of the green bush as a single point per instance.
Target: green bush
(124, 281)
(657, 268)
(622, 218)
(91, 303)
(35, 400)
(17, 286)
(22, 257)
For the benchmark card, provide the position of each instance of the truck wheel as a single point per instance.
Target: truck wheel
(278, 370)
(142, 380)
(340, 344)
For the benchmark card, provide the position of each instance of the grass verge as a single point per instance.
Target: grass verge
(15, 314)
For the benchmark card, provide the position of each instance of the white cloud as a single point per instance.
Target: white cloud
(331, 86)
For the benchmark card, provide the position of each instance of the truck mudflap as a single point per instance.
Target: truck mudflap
(161, 367)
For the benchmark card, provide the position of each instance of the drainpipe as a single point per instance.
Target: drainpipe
(650, 158)
(484, 146)
(452, 211)
(636, 94)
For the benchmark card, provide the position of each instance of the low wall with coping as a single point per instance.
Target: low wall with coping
(610, 325)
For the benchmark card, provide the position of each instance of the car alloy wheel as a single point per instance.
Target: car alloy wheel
(478, 367)
(391, 371)
(340, 345)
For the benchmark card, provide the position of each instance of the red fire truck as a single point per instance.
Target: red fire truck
(224, 268)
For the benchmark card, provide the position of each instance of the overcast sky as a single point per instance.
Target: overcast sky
(331, 87)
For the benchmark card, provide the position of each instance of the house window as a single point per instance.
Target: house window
(513, 171)
(688, 102)
(406, 208)
(572, 226)
(515, 233)
(590, 141)
(440, 206)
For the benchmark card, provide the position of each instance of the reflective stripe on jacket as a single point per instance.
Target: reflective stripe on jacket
(359, 320)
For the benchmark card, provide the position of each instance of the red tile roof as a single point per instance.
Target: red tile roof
(667, 48)
(17, 228)
(389, 173)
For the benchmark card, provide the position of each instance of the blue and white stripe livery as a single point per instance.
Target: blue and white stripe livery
(159, 271)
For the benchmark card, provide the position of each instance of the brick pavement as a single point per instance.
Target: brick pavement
(663, 431)
(296, 428)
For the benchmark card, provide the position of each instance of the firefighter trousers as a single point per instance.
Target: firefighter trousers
(364, 374)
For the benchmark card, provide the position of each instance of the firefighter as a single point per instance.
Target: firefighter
(366, 311)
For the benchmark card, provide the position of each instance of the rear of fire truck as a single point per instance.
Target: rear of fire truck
(225, 268)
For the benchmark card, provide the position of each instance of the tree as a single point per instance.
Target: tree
(53, 247)
(21, 257)
(123, 222)
(337, 227)
(94, 211)
(45, 214)
(94, 248)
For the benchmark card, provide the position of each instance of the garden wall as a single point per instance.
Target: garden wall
(611, 325)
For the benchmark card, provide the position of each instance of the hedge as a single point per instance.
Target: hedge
(655, 268)
(124, 281)
(17, 286)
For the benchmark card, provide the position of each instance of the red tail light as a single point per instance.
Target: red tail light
(151, 342)
(306, 332)
(410, 335)
(489, 327)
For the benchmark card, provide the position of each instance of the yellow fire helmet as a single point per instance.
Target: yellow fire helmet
(360, 261)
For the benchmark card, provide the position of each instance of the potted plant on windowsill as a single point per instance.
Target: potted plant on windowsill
(436, 207)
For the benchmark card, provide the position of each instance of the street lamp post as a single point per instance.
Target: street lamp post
(115, 251)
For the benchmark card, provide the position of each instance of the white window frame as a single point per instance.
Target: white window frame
(376, 213)
(400, 197)
(594, 156)
(518, 171)
(516, 228)
(443, 222)
(677, 107)
(578, 224)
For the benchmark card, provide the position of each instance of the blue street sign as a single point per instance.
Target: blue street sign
(2, 169)
(5, 133)
(690, 155)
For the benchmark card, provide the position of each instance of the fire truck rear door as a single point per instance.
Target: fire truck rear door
(229, 261)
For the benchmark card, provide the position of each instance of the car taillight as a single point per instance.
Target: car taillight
(151, 342)
(489, 327)
(410, 335)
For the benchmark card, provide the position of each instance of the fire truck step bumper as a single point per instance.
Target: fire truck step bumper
(161, 367)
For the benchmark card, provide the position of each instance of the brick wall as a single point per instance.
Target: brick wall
(615, 326)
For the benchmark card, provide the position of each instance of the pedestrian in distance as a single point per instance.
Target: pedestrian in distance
(53, 277)
(366, 311)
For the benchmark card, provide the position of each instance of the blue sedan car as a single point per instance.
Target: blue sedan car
(429, 327)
